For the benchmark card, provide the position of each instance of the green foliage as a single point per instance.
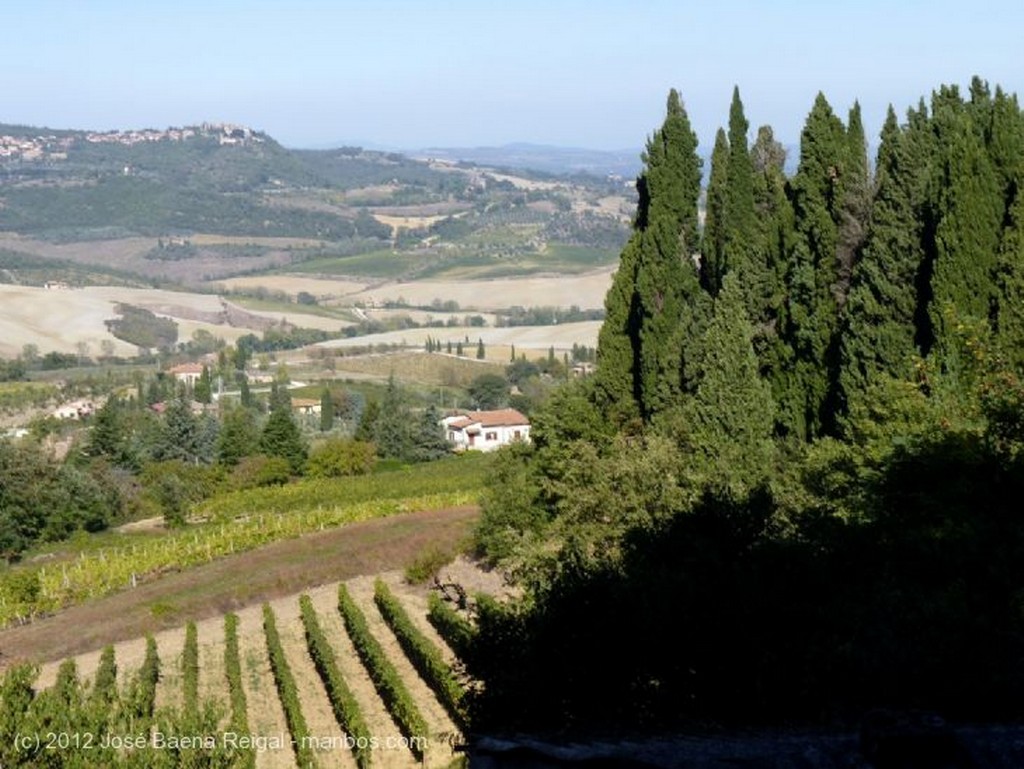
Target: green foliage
(386, 679)
(457, 631)
(326, 411)
(239, 436)
(287, 691)
(239, 719)
(140, 327)
(141, 698)
(489, 391)
(729, 421)
(422, 653)
(172, 488)
(340, 457)
(281, 437)
(190, 668)
(343, 702)
(427, 564)
(821, 484)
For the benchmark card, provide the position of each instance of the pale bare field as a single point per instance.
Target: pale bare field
(561, 337)
(293, 284)
(586, 291)
(55, 321)
(407, 222)
(208, 239)
(119, 249)
(299, 318)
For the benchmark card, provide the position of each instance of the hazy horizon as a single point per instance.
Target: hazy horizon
(406, 75)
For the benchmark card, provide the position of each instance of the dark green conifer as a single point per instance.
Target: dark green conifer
(326, 410)
(281, 436)
(811, 322)
(731, 416)
(666, 278)
(969, 212)
(741, 247)
(878, 320)
(1010, 318)
(716, 217)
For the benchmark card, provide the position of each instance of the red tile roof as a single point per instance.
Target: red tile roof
(187, 368)
(496, 418)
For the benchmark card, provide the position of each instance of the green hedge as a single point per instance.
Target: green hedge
(383, 674)
(424, 655)
(343, 702)
(288, 691)
(457, 631)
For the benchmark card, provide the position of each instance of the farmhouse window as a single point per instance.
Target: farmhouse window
(492, 436)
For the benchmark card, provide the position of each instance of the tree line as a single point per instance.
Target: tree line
(803, 440)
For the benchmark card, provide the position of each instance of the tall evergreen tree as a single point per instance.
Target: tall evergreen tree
(1010, 318)
(281, 436)
(203, 391)
(239, 436)
(640, 343)
(969, 212)
(855, 205)
(878, 320)
(616, 377)
(741, 247)
(817, 194)
(326, 410)
(666, 279)
(731, 415)
(393, 430)
(716, 217)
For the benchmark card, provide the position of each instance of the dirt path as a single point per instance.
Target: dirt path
(231, 583)
(213, 685)
(266, 717)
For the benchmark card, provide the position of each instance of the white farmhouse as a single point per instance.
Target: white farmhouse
(486, 430)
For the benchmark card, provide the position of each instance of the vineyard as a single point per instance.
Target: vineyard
(356, 674)
(231, 526)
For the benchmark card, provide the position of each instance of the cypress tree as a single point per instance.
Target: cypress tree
(326, 410)
(855, 206)
(712, 262)
(480, 352)
(774, 236)
(817, 194)
(203, 391)
(741, 247)
(615, 379)
(731, 415)
(1004, 141)
(969, 213)
(666, 278)
(393, 431)
(1010, 318)
(878, 321)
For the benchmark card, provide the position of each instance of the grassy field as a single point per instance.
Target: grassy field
(376, 264)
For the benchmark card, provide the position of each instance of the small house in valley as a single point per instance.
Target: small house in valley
(189, 373)
(485, 430)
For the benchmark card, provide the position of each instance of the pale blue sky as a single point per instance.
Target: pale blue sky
(459, 73)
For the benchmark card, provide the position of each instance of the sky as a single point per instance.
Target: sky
(460, 73)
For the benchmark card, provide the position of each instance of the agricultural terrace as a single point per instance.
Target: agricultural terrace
(350, 674)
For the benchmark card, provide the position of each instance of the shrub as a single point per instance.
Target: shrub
(340, 457)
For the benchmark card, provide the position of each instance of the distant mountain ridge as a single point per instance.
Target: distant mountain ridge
(541, 157)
